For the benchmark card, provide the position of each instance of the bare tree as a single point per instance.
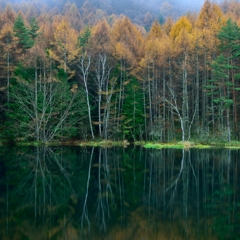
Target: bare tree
(84, 65)
(38, 112)
(185, 124)
(102, 74)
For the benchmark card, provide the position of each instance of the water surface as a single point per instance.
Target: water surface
(119, 193)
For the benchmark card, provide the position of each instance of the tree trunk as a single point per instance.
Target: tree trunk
(84, 68)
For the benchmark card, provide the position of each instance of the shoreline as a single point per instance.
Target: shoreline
(125, 143)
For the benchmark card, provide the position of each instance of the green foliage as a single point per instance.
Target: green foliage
(24, 73)
(229, 37)
(62, 75)
(84, 37)
(33, 31)
(163, 145)
(25, 35)
(220, 82)
(133, 110)
(233, 143)
(153, 145)
(43, 110)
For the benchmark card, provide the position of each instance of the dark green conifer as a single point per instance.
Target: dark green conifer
(25, 35)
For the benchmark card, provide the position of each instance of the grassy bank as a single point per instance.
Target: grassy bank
(125, 143)
(97, 143)
(187, 145)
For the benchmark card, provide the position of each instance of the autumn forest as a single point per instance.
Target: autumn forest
(79, 73)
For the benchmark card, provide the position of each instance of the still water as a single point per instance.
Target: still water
(119, 193)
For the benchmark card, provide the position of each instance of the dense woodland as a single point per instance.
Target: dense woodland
(84, 74)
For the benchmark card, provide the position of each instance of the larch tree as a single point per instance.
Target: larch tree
(83, 65)
(43, 106)
(229, 36)
(74, 17)
(181, 34)
(166, 57)
(7, 45)
(197, 53)
(151, 62)
(127, 41)
(100, 41)
(228, 60)
(65, 50)
(136, 83)
(220, 89)
(37, 112)
(209, 22)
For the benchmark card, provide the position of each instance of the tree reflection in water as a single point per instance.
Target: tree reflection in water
(101, 193)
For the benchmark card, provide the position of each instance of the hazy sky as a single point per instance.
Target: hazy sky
(191, 4)
(154, 5)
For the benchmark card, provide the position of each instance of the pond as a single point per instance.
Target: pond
(119, 193)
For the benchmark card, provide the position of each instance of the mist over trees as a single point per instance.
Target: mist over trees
(137, 11)
(74, 71)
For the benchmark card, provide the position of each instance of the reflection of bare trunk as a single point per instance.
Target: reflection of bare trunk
(7, 206)
(145, 173)
(85, 210)
(41, 170)
(41, 174)
(150, 188)
(121, 188)
(108, 186)
(185, 178)
(174, 184)
(164, 183)
(228, 182)
(235, 185)
(100, 209)
(134, 177)
(197, 190)
(35, 184)
(205, 162)
(213, 173)
(104, 191)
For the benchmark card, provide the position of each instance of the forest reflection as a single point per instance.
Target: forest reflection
(118, 193)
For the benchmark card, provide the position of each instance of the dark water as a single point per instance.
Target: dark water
(96, 193)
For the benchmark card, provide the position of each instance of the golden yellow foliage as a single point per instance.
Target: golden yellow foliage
(155, 31)
(65, 44)
(167, 26)
(127, 39)
(183, 24)
(101, 36)
(210, 17)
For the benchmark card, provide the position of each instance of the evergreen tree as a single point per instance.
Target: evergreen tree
(34, 28)
(37, 111)
(133, 112)
(220, 93)
(226, 67)
(23, 34)
(84, 38)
